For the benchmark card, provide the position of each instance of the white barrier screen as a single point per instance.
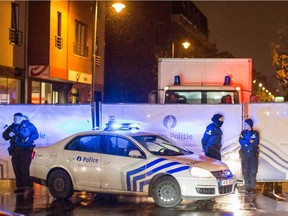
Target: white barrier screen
(53, 124)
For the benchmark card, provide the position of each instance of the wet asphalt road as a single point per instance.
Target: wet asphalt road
(42, 203)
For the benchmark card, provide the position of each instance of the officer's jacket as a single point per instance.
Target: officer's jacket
(212, 136)
(22, 131)
(246, 145)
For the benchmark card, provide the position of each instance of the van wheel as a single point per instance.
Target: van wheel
(166, 192)
(60, 184)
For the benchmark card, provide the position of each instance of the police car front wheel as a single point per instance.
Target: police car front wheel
(166, 192)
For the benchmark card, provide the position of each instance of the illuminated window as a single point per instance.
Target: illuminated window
(41, 93)
(9, 91)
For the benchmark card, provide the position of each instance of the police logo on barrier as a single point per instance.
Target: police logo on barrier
(169, 121)
(79, 158)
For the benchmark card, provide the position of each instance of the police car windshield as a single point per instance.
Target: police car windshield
(159, 145)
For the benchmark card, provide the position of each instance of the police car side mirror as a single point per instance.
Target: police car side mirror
(135, 154)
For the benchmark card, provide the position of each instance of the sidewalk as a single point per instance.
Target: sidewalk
(274, 190)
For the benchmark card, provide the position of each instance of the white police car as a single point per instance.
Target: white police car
(129, 163)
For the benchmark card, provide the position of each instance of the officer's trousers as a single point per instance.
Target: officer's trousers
(21, 160)
(249, 162)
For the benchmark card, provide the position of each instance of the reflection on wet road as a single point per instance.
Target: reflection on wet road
(42, 203)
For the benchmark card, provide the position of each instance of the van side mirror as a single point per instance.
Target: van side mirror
(152, 98)
(155, 96)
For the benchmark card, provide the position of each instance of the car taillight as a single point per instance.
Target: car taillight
(33, 154)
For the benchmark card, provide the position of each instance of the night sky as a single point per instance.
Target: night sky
(246, 29)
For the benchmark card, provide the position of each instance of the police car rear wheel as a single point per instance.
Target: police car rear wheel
(60, 184)
(166, 192)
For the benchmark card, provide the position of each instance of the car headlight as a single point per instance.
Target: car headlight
(197, 172)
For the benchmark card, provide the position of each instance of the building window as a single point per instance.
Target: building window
(59, 24)
(9, 91)
(49, 93)
(15, 16)
(58, 37)
(80, 44)
(42, 93)
(15, 35)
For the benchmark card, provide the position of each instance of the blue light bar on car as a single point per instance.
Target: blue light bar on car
(130, 126)
(113, 126)
(122, 127)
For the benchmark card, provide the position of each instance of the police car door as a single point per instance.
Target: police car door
(117, 165)
(82, 156)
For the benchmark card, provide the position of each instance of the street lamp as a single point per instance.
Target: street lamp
(185, 44)
(118, 7)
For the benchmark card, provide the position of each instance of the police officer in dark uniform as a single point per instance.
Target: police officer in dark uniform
(212, 138)
(249, 152)
(21, 134)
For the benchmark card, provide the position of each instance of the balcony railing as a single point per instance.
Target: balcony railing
(58, 42)
(80, 49)
(15, 36)
(98, 60)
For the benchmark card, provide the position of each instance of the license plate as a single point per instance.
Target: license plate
(225, 182)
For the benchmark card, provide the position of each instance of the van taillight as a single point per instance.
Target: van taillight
(33, 154)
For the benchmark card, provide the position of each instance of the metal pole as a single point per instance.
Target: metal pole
(92, 95)
(173, 49)
(26, 83)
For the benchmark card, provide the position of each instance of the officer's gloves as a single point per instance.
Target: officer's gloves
(11, 134)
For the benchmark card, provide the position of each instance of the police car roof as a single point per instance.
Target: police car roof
(115, 132)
